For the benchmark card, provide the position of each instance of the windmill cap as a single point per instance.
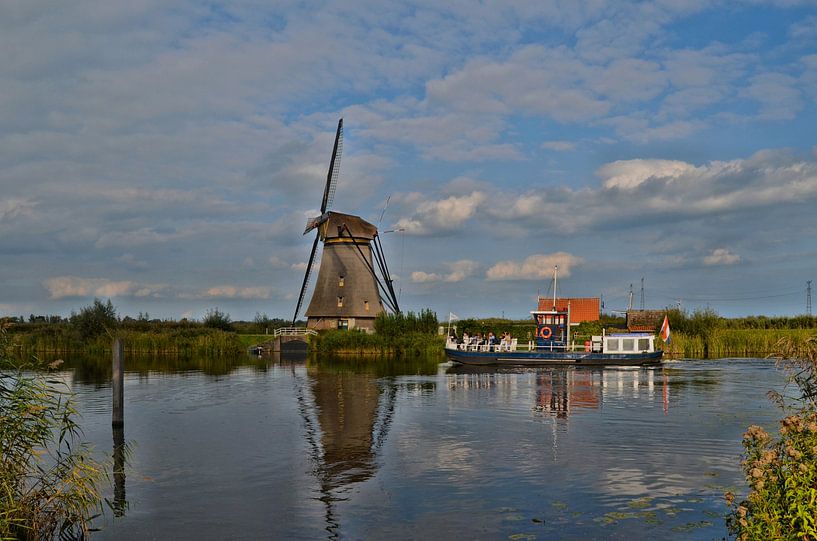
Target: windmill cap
(339, 225)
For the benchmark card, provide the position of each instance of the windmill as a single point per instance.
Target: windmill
(348, 292)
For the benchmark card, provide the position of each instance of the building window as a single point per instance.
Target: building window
(340, 281)
(340, 302)
(343, 324)
(366, 305)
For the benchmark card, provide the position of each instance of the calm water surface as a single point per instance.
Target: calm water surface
(390, 450)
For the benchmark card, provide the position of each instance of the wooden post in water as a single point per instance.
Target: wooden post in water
(118, 383)
(120, 504)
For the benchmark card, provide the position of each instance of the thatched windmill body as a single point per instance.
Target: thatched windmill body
(348, 292)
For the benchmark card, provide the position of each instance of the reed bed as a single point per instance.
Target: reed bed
(720, 343)
(180, 341)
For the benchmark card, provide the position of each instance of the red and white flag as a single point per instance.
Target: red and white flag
(665, 330)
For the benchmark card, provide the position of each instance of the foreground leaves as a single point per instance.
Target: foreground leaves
(48, 483)
(782, 471)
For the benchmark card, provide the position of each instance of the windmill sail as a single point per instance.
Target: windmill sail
(328, 197)
(306, 278)
(334, 170)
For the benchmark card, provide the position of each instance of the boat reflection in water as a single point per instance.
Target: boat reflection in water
(562, 390)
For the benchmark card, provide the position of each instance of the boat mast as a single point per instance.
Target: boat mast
(555, 271)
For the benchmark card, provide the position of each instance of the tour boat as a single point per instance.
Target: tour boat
(624, 349)
(552, 345)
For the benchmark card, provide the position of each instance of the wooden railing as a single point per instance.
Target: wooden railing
(294, 331)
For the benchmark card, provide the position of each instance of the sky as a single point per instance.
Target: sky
(166, 154)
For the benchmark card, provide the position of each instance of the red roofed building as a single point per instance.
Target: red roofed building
(581, 309)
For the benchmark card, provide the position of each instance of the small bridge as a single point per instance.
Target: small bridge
(286, 339)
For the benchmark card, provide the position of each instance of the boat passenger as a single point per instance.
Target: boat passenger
(466, 340)
(504, 344)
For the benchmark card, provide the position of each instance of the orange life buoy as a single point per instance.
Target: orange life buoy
(545, 332)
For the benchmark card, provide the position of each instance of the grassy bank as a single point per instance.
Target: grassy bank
(59, 339)
(402, 335)
(699, 334)
(361, 343)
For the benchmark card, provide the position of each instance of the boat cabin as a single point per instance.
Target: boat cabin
(624, 343)
(552, 328)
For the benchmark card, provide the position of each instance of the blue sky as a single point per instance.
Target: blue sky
(167, 154)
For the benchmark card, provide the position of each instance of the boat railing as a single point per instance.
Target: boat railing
(513, 346)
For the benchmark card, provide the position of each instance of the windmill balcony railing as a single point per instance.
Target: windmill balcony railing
(295, 331)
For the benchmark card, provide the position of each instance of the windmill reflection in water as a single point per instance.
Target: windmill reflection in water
(346, 418)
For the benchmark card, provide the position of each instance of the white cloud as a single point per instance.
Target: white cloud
(421, 277)
(630, 194)
(440, 135)
(60, 287)
(535, 267)
(457, 272)
(532, 79)
(235, 292)
(300, 266)
(460, 270)
(443, 215)
(630, 174)
(721, 256)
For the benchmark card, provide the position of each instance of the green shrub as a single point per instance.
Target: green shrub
(94, 320)
(48, 482)
(216, 319)
(782, 471)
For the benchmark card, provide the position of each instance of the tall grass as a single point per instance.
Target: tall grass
(48, 481)
(392, 325)
(704, 334)
(60, 339)
(733, 342)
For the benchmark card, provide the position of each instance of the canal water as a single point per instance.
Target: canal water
(418, 450)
